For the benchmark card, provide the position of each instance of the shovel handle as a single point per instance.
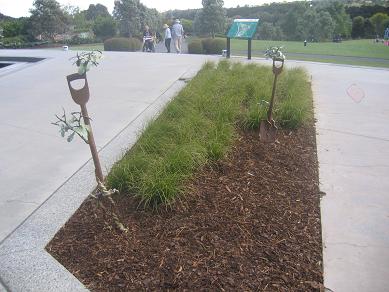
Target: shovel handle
(277, 71)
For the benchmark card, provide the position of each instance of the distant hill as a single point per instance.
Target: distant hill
(5, 17)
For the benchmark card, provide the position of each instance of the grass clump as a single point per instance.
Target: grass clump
(200, 124)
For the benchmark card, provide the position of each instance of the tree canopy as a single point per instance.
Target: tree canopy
(133, 16)
(47, 18)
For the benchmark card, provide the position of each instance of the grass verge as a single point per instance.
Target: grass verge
(200, 124)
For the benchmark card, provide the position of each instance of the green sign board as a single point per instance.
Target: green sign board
(243, 28)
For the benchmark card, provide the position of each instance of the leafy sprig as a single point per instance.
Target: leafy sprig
(275, 53)
(71, 126)
(85, 60)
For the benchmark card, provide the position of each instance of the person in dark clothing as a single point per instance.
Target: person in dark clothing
(148, 40)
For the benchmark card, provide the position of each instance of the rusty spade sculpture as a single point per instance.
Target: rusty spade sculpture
(81, 97)
(268, 128)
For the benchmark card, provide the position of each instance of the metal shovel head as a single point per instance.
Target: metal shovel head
(268, 131)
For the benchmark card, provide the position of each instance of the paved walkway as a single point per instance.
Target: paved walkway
(352, 109)
(34, 159)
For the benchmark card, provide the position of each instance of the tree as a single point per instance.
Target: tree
(368, 28)
(188, 25)
(80, 22)
(104, 27)
(95, 11)
(127, 12)
(326, 26)
(358, 29)
(47, 19)
(343, 23)
(268, 31)
(213, 16)
(378, 21)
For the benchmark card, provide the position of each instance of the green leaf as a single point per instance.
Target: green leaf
(71, 137)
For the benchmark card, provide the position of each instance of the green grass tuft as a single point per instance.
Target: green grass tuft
(200, 124)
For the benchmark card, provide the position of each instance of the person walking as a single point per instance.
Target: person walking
(168, 37)
(178, 33)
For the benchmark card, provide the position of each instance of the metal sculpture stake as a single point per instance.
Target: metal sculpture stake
(81, 97)
(268, 128)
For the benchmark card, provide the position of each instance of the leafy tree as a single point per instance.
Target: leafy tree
(213, 16)
(80, 22)
(95, 11)
(104, 27)
(127, 12)
(198, 25)
(358, 29)
(378, 21)
(342, 20)
(268, 31)
(150, 17)
(385, 25)
(12, 28)
(326, 26)
(187, 24)
(47, 18)
(368, 28)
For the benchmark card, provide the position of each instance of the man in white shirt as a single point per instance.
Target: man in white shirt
(178, 33)
(168, 37)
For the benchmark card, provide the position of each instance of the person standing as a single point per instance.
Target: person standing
(178, 33)
(168, 37)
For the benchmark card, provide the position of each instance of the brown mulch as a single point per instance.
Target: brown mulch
(250, 223)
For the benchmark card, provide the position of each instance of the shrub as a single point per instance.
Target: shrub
(214, 46)
(104, 27)
(195, 47)
(76, 40)
(122, 44)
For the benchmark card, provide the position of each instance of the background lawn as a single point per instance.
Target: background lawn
(352, 48)
(353, 52)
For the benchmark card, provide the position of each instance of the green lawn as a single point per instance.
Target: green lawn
(87, 47)
(355, 48)
(331, 52)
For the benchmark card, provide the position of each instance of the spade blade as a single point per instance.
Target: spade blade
(268, 131)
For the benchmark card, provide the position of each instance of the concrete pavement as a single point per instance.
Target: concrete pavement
(352, 112)
(34, 159)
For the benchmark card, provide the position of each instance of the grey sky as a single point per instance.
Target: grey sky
(17, 8)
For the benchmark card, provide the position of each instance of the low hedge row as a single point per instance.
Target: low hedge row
(208, 46)
(122, 44)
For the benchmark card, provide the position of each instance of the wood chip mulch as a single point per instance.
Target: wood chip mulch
(250, 223)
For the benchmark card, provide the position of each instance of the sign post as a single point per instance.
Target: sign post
(242, 29)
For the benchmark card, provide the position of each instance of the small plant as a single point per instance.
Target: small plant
(275, 53)
(86, 60)
(73, 124)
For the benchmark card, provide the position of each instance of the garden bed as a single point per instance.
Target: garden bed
(223, 210)
(251, 222)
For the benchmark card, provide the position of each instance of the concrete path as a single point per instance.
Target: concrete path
(34, 159)
(352, 109)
